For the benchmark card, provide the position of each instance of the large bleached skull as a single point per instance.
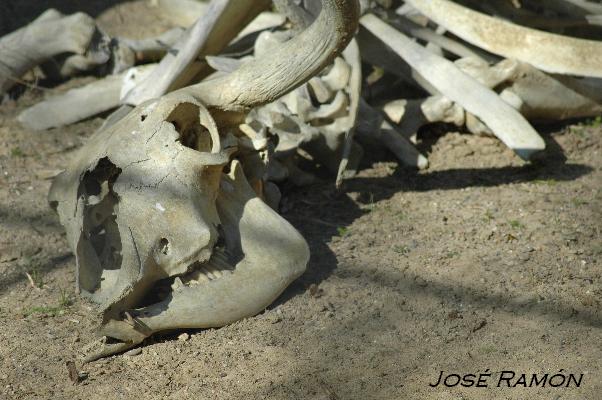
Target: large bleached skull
(166, 230)
(143, 208)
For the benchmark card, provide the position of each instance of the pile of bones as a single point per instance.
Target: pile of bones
(208, 118)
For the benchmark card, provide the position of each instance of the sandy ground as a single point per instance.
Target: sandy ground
(480, 263)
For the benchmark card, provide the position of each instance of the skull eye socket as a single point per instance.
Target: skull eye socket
(100, 243)
(164, 246)
(196, 137)
(186, 121)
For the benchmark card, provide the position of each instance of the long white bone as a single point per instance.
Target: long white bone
(81, 103)
(546, 51)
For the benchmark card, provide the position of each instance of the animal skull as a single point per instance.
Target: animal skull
(166, 230)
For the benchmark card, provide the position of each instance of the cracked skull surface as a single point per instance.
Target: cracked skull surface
(167, 231)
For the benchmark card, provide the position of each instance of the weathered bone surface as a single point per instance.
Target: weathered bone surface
(143, 83)
(49, 35)
(546, 51)
(107, 55)
(163, 237)
(534, 93)
(413, 29)
(558, 16)
(222, 21)
(318, 117)
(353, 57)
(187, 12)
(151, 49)
(64, 46)
(81, 103)
(372, 124)
(506, 123)
(182, 12)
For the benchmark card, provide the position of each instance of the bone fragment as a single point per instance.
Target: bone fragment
(263, 80)
(187, 12)
(589, 6)
(223, 64)
(299, 17)
(49, 35)
(182, 12)
(81, 103)
(403, 149)
(534, 93)
(353, 58)
(372, 124)
(153, 49)
(411, 28)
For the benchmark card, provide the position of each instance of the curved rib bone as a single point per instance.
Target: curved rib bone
(546, 51)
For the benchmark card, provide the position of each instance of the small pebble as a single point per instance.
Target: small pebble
(183, 337)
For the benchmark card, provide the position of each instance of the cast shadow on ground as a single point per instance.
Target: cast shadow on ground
(320, 213)
(364, 324)
(14, 271)
(17, 275)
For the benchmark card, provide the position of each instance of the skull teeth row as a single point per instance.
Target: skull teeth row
(217, 267)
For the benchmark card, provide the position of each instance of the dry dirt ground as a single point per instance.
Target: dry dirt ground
(481, 263)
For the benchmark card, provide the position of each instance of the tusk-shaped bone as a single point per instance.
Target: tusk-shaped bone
(291, 64)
